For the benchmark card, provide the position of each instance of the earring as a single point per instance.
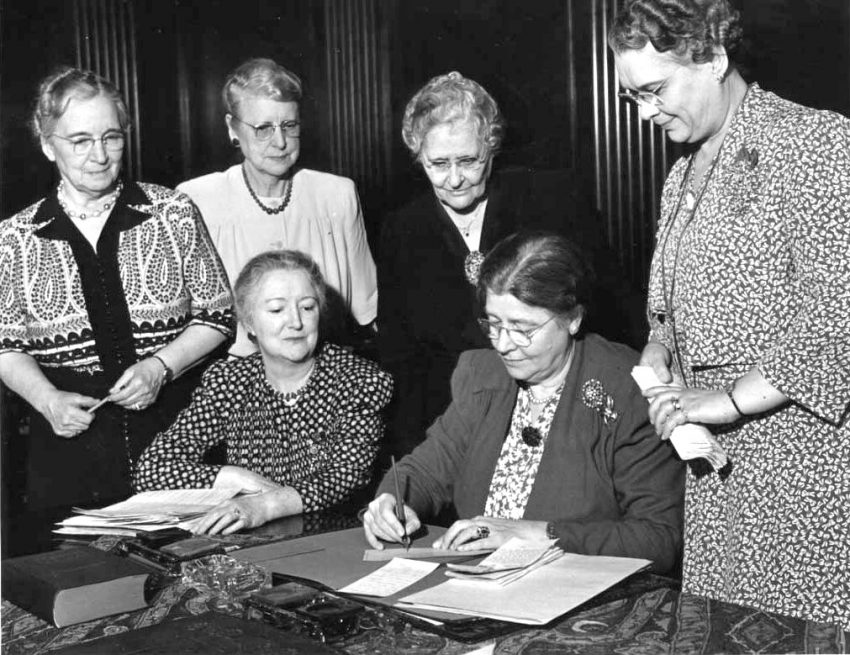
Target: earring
(234, 142)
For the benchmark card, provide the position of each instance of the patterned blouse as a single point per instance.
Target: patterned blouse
(518, 462)
(323, 445)
(155, 272)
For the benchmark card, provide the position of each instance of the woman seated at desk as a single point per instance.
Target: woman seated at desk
(300, 419)
(547, 434)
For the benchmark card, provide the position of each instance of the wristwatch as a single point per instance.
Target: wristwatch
(167, 373)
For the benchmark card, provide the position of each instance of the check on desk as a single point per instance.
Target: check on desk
(335, 560)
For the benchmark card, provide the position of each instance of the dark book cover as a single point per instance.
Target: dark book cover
(206, 634)
(70, 586)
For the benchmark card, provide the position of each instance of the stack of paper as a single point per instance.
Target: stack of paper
(544, 594)
(149, 510)
(511, 561)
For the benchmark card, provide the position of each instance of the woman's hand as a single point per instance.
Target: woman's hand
(138, 386)
(672, 406)
(67, 412)
(247, 482)
(380, 521)
(658, 357)
(235, 514)
(488, 532)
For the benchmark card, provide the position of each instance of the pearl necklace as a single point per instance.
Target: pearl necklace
(108, 204)
(269, 210)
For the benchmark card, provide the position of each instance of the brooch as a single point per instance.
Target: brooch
(749, 157)
(472, 266)
(593, 395)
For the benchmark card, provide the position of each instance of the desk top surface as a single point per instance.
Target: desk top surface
(647, 613)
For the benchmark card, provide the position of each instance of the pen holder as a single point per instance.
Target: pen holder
(227, 581)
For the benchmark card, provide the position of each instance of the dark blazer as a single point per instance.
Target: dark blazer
(427, 309)
(611, 489)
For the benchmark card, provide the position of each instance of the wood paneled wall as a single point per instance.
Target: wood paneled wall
(358, 101)
(105, 41)
(630, 156)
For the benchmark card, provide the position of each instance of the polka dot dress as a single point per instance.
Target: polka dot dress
(323, 445)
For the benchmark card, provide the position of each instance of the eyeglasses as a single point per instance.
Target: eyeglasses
(650, 98)
(465, 164)
(521, 338)
(82, 145)
(265, 131)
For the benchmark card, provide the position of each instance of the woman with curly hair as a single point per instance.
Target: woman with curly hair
(749, 303)
(432, 247)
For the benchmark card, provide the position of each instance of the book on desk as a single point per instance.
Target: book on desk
(70, 586)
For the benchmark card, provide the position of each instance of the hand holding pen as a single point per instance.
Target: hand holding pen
(388, 519)
(399, 507)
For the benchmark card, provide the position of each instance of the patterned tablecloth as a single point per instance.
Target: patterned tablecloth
(646, 614)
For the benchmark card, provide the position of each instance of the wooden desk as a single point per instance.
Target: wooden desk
(646, 614)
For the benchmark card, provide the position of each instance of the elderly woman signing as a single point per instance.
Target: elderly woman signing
(546, 434)
(110, 289)
(268, 202)
(300, 419)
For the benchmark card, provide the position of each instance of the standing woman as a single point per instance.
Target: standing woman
(110, 288)
(267, 202)
(749, 301)
(431, 248)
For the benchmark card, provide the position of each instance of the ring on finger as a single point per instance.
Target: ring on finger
(482, 532)
(677, 405)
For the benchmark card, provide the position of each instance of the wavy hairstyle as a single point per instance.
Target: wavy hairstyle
(684, 27)
(60, 87)
(452, 98)
(541, 269)
(260, 77)
(277, 260)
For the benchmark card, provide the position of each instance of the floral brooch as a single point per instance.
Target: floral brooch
(747, 156)
(594, 396)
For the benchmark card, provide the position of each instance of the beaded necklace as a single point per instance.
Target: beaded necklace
(289, 398)
(109, 203)
(287, 194)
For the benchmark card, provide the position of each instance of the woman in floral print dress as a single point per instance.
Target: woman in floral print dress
(749, 304)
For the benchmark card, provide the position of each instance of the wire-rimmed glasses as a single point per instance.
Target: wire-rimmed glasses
(521, 338)
(265, 131)
(82, 145)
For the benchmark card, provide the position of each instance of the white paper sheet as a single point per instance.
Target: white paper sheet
(391, 578)
(515, 553)
(149, 510)
(690, 441)
(539, 597)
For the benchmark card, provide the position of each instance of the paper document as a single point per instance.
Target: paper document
(149, 510)
(511, 561)
(515, 553)
(539, 597)
(374, 555)
(690, 441)
(391, 578)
